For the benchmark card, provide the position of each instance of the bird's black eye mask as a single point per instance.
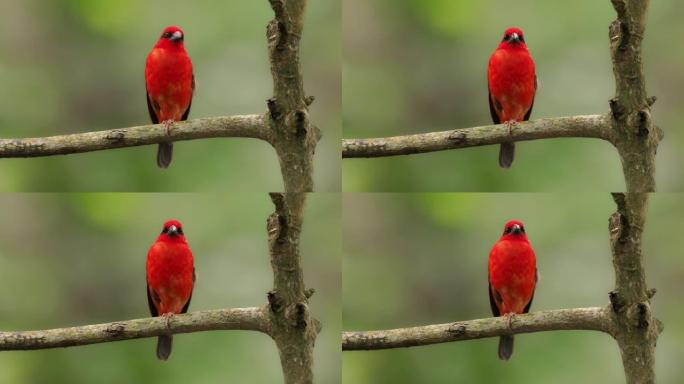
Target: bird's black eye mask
(509, 230)
(169, 36)
(165, 231)
(509, 38)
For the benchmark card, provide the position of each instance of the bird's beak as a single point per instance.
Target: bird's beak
(178, 35)
(173, 231)
(515, 38)
(516, 229)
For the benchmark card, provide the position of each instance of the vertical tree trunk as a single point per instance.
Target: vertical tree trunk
(292, 327)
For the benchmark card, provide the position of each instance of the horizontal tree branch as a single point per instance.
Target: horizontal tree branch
(249, 319)
(251, 126)
(593, 126)
(594, 319)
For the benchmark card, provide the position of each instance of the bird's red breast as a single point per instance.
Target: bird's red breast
(170, 272)
(512, 271)
(169, 78)
(512, 79)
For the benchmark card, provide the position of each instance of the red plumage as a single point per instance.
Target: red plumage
(170, 84)
(170, 278)
(512, 86)
(512, 278)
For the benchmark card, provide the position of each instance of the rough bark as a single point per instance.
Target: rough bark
(636, 137)
(596, 319)
(253, 319)
(634, 326)
(295, 138)
(251, 126)
(293, 328)
(595, 126)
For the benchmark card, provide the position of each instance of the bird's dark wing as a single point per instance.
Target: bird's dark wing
(536, 277)
(151, 108)
(529, 111)
(187, 111)
(493, 110)
(494, 300)
(151, 303)
(185, 307)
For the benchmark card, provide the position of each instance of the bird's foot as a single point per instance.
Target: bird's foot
(510, 124)
(168, 124)
(167, 317)
(509, 318)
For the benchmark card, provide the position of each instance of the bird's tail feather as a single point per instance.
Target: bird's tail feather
(164, 155)
(505, 347)
(506, 155)
(164, 344)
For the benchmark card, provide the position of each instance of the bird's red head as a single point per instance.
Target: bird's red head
(514, 229)
(173, 230)
(171, 37)
(513, 37)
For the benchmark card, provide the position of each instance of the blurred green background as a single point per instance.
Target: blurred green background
(413, 66)
(418, 259)
(79, 259)
(70, 66)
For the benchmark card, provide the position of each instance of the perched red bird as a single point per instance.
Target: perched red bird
(512, 86)
(512, 278)
(170, 278)
(170, 85)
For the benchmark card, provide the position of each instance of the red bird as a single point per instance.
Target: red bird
(170, 278)
(170, 85)
(512, 278)
(512, 86)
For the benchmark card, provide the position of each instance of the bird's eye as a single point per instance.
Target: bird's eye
(165, 230)
(180, 231)
(507, 37)
(508, 230)
(166, 35)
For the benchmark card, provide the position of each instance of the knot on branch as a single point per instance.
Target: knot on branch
(616, 109)
(275, 303)
(456, 329)
(309, 292)
(643, 123)
(274, 109)
(640, 315)
(301, 123)
(115, 329)
(617, 302)
(301, 316)
(457, 137)
(116, 136)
